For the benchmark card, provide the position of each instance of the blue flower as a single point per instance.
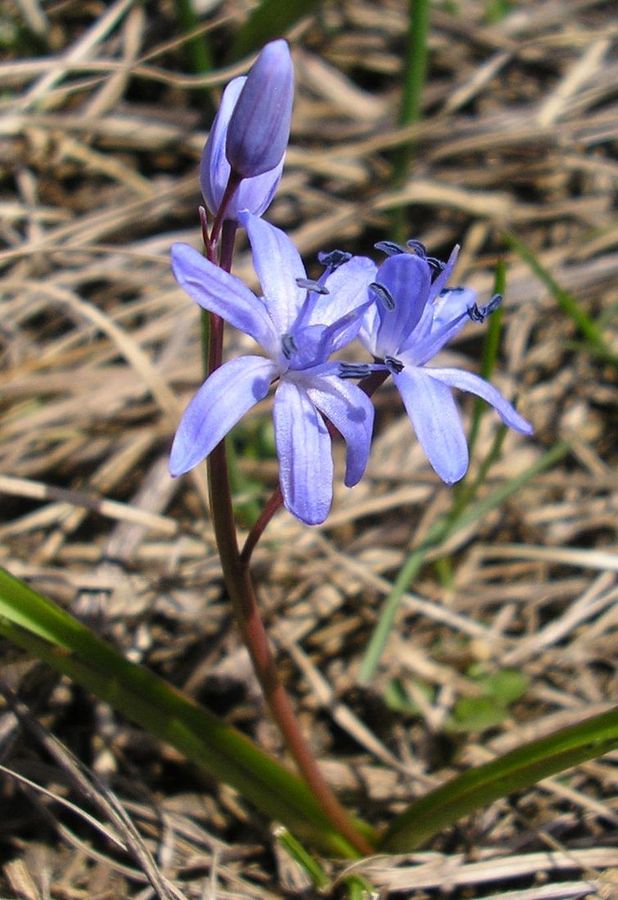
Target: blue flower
(413, 318)
(299, 324)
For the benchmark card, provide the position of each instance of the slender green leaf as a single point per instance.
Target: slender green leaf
(35, 623)
(514, 771)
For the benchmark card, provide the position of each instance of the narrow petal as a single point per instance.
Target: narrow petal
(368, 332)
(417, 350)
(450, 305)
(467, 381)
(440, 282)
(351, 412)
(223, 294)
(256, 194)
(304, 451)
(277, 264)
(436, 421)
(214, 167)
(407, 279)
(222, 400)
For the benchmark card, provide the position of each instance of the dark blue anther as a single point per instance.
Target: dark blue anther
(393, 365)
(390, 248)
(452, 290)
(288, 345)
(333, 258)
(418, 247)
(383, 295)
(480, 313)
(308, 284)
(436, 264)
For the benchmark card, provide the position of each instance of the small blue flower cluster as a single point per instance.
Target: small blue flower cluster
(401, 311)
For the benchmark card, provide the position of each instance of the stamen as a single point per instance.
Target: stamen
(354, 370)
(309, 284)
(390, 248)
(383, 295)
(288, 345)
(332, 259)
(393, 365)
(480, 313)
(436, 264)
(418, 247)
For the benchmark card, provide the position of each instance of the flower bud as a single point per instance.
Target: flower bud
(254, 194)
(259, 127)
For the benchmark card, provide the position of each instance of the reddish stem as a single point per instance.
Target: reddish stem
(220, 220)
(274, 503)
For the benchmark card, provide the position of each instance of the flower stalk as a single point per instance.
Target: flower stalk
(246, 611)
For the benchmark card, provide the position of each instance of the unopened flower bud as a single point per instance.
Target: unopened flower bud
(254, 194)
(259, 127)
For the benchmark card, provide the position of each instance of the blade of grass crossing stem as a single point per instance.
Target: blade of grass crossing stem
(43, 629)
(491, 347)
(587, 327)
(480, 786)
(442, 529)
(269, 19)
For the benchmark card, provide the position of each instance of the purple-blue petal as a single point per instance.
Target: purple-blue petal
(436, 420)
(420, 348)
(351, 412)
(407, 279)
(214, 167)
(223, 294)
(278, 264)
(467, 381)
(450, 305)
(304, 451)
(256, 194)
(441, 280)
(222, 400)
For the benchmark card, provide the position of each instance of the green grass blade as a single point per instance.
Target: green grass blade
(519, 769)
(35, 623)
(442, 529)
(587, 327)
(269, 19)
